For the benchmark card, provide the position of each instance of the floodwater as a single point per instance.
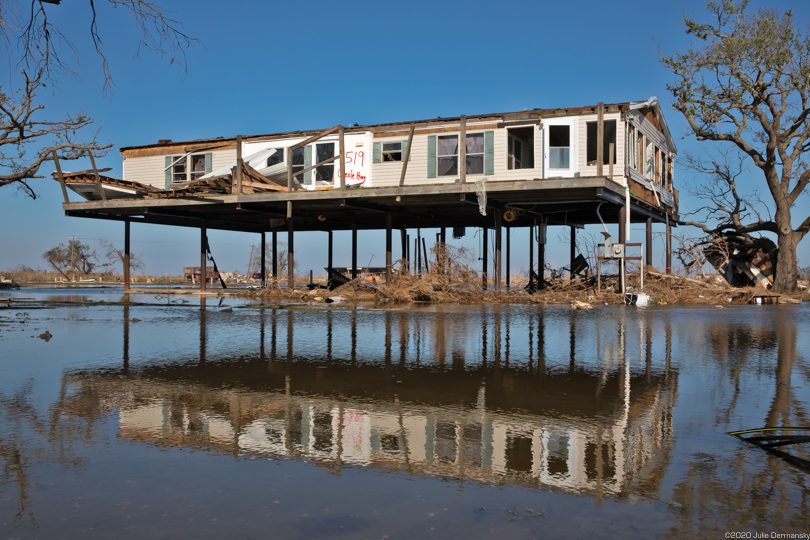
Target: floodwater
(213, 418)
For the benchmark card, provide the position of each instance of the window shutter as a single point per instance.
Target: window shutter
(308, 164)
(489, 152)
(405, 149)
(208, 159)
(431, 156)
(169, 172)
(377, 152)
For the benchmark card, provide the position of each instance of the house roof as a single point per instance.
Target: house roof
(533, 114)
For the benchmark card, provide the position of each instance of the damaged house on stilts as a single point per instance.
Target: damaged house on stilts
(600, 164)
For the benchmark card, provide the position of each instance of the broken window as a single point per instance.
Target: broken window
(520, 148)
(609, 138)
(179, 169)
(197, 166)
(448, 154)
(324, 151)
(187, 168)
(392, 151)
(298, 162)
(559, 147)
(276, 157)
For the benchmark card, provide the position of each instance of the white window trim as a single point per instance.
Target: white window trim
(537, 137)
(571, 171)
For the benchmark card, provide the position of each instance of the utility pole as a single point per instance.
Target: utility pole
(250, 261)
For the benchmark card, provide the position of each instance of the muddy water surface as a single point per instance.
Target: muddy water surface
(220, 420)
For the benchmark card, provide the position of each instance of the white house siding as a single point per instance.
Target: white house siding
(582, 156)
(501, 153)
(151, 170)
(387, 173)
(146, 170)
(648, 129)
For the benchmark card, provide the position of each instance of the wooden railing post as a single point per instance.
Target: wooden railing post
(342, 147)
(239, 164)
(98, 178)
(462, 150)
(60, 177)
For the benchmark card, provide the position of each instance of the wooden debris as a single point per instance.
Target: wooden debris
(576, 304)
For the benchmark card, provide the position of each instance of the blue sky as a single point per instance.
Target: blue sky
(272, 67)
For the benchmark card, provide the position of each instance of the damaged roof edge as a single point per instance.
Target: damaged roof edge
(656, 106)
(381, 127)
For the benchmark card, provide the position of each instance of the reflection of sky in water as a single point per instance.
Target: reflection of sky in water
(628, 407)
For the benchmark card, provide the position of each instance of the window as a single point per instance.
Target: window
(392, 151)
(276, 157)
(298, 162)
(609, 138)
(559, 147)
(186, 168)
(324, 151)
(520, 148)
(443, 152)
(448, 154)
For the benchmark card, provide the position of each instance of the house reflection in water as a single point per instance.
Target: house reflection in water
(600, 426)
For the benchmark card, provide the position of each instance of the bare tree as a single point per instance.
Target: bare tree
(255, 263)
(29, 136)
(117, 256)
(747, 83)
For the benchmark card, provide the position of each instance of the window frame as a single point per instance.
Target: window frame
(530, 146)
(606, 143)
(571, 170)
(187, 162)
(468, 154)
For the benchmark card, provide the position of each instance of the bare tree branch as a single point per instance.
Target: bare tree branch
(26, 142)
(41, 41)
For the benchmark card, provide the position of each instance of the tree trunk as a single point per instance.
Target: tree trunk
(787, 268)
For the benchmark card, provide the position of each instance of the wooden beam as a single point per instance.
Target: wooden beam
(203, 269)
(290, 256)
(127, 256)
(239, 164)
(263, 261)
(649, 254)
(388, 249)
(289, 169)
(485, 257)
(498, 251)
(60, 176)
(406, 157)
(462, 150)
(508, 257)
(354, 252)
(342, 149)
(600, 137)
(315, 138)
(98, 178)
(275, 258)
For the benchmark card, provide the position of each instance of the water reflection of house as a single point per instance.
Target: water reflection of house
(605, 453)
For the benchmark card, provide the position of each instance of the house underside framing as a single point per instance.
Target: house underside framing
(569, 202)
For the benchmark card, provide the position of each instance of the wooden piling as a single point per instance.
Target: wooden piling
(203, 261)
(127, 257)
